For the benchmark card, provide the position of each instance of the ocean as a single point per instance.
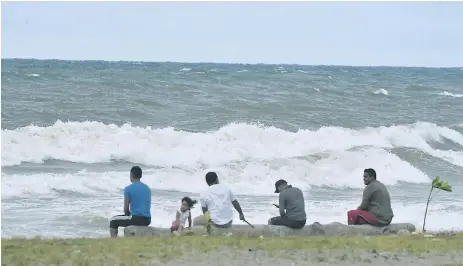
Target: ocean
(71, 131)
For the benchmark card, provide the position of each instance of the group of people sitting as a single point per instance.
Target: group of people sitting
(217, 203)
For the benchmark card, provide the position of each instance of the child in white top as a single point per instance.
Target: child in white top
(183, 214)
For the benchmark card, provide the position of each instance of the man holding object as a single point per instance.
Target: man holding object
(291, 205)
(217, 202)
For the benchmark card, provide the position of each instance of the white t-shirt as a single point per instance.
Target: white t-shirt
(218, 201)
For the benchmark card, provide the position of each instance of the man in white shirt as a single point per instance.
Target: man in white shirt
(216, 203)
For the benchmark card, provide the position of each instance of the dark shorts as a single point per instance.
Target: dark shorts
(123, 221)
(227, 225)
(287, 222)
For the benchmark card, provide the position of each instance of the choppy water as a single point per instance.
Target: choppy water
(71, 131)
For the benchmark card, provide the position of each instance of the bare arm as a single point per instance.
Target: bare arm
(235, 203)
(282, 205)
(177, 218)
(126, 202)
(126, 206)
(237, 206)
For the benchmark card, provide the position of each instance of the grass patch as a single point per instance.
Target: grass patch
(135, 251)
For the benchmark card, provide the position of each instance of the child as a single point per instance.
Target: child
(183, 214)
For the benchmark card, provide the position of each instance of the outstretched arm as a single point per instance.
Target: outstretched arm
(237, 206)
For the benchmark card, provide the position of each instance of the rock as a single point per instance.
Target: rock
(336, 229)
(199, 221)
(386, 255)
(134, 230)
(315, 229)
(404, 232)
(445, 233)
(367, 260)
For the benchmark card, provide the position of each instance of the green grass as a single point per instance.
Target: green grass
(134, 251)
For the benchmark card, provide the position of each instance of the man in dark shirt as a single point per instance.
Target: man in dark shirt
(375, 208)
(291, 205)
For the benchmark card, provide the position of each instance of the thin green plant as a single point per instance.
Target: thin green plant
(439, 184)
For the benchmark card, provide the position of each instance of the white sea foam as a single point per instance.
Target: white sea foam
(381, 91)
(249, 158)
(257, 211)
(95, 142)
(450, 94)
(340, 170)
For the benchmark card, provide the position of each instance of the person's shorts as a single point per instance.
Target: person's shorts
(283, 221)
(227, 225)
(201, 221)
(123, 221)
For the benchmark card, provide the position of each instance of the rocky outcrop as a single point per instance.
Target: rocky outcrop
(315, 229)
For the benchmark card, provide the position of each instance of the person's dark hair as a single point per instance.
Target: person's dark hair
(371, 172)
(136, 172)
(190, 202)
(211, 178)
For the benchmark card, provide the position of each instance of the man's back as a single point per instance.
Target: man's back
(218, 200)
(380, 202)
(139, 195)
(293, 200)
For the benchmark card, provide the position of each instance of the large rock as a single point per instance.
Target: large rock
(315, 229)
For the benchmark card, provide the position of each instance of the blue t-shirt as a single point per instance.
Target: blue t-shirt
(139, 195)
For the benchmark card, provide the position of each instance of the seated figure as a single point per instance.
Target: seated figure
(375, 208)
(291, 206)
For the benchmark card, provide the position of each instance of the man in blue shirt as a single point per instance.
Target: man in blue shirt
(137, 204)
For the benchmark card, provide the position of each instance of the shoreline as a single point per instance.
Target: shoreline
(236, 250)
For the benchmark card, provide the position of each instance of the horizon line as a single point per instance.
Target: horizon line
(227, 63)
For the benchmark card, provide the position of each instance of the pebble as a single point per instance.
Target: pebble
(386, 255)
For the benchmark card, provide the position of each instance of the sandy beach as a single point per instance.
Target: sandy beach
(347, 256)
